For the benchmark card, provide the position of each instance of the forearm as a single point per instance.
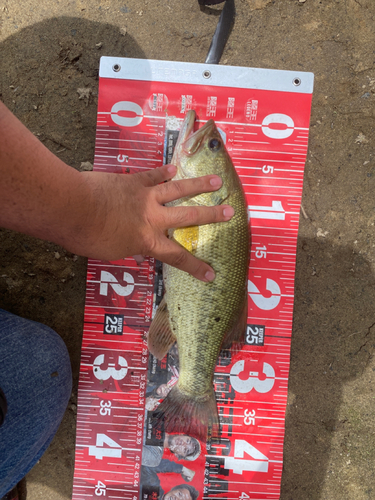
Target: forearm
(99, 215)
(39, 194)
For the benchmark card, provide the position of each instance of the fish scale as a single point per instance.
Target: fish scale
(187, 315)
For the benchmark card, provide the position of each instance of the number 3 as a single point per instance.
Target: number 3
(252, 382)
(111, 370)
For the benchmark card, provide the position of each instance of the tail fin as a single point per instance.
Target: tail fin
(185, 414)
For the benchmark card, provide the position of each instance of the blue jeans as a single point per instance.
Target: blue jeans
(35, 375)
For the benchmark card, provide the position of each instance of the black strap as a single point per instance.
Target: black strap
(210, 2)
(223, 29)
(3, 406)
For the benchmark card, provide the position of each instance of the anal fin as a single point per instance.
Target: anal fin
(160, 337)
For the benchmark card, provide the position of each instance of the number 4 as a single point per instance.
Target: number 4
(259, 464)
(243, 495)
(99, 452)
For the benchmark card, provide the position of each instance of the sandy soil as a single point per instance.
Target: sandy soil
(50, 49)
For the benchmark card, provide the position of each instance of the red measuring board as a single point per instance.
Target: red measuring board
(263, 116)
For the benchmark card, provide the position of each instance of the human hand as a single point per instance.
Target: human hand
(130, 218)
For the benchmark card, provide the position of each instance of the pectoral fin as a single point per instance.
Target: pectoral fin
(236, 335)
(214, 198)
(160, 337)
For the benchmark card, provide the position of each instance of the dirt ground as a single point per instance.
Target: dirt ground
(50, 49)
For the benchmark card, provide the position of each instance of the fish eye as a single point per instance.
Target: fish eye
(214, 144)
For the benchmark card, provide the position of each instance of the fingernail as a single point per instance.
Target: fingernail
(209, 276)
(228, 212)
(172, 169)
(216, 181)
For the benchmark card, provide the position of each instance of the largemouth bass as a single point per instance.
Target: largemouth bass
(202, 317)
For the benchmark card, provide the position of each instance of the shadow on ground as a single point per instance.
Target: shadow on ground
(332, 344)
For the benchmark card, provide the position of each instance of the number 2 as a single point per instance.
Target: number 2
(107, 278)
(265, 303)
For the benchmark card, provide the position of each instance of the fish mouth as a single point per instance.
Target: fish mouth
(186, 129)
(188, 141)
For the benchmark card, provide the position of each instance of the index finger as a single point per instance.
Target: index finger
(174, 190)
(177, 256)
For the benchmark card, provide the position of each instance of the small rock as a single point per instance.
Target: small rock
(320, 233)
(11, 283)
(123, 31)
(361, 139)
(57, 255)
(87, 166)
(258, 4)
(99, 45)
(84, 93)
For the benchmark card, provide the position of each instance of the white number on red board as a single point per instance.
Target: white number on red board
(267, 169)
(275, 212)
(243, 495)
(265, 303)
(114, 450)
(133, 111)
(261, 252)
(253, 381)
(100, 489)
(105, 407)
(278, 119)
(111, 370)
(122, 158)
(259, 464)
(107, 278)
(249, 417)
